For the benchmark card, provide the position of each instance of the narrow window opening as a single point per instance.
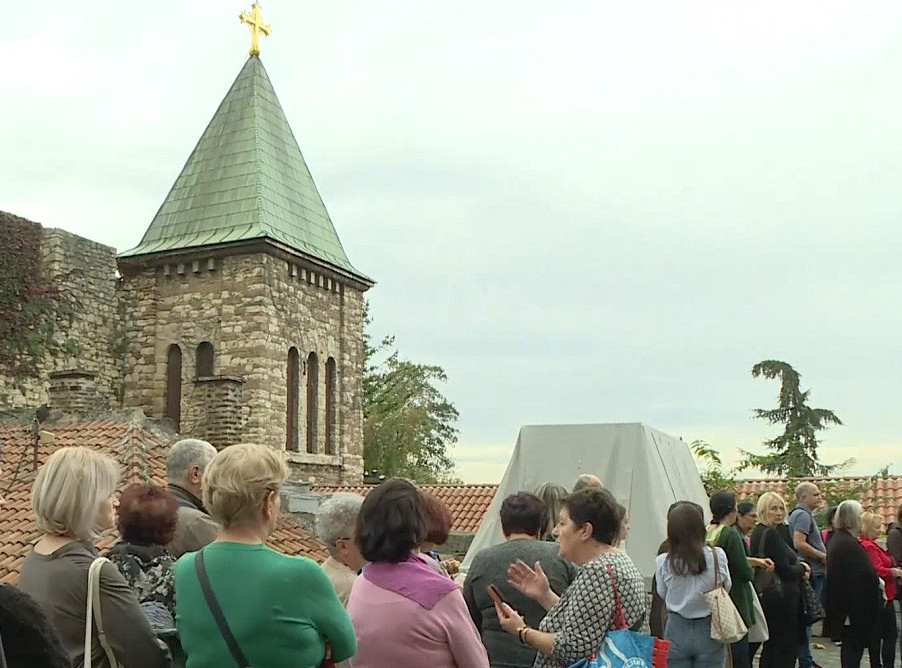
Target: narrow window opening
(173, 398)
(204, 361)
(331, 399)
(312, 402)
(291, 415)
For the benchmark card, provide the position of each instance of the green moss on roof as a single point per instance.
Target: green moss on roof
(246, 179)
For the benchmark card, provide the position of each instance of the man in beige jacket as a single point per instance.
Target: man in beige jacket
(185, 473)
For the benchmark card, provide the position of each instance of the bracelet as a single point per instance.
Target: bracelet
(522, 634)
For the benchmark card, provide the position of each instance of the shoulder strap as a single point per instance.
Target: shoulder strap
(94, 615)
(220, 619)
(759, 552)
(619, 619)
(805, 510)
(716, 568)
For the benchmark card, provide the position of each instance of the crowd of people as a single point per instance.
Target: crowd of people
(191, 581)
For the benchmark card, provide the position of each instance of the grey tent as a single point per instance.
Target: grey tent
(644, 468)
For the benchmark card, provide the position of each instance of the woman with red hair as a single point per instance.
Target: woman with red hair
(438, 527)
(147, 517)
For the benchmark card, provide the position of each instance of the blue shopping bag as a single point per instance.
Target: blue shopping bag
(627, 649)
(622, 648)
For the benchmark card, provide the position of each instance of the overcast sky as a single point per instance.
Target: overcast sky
(584, 211)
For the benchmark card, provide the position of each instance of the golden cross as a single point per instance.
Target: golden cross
(255, 22)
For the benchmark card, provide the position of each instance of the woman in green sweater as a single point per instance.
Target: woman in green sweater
(723, 534)
(281, 610)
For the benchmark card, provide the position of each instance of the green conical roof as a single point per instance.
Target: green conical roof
(246, 179)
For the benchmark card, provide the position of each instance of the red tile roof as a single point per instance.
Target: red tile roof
(140, 451)
(879, 495)
(468, 503)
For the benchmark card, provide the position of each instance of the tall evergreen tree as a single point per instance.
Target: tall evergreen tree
(794, 452)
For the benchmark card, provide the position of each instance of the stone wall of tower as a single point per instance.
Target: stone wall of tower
(85, 272)
(252, 308)
(319, 313)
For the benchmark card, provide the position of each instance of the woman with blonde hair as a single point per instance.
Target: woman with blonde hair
(238, 600)
(882, 646)
(780, 604)
(552, 495)
(74, 500)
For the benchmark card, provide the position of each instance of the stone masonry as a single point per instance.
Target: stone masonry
(252, 307)
(86, 272)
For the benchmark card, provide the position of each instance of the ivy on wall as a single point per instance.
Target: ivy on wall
(33, 310)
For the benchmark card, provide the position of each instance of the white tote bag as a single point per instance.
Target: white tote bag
(94, 616)
(758, 632)
(727, 626)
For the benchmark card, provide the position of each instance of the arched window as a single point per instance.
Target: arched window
(312, 402)
(204, 361)
(173, 399)
(331, 382)
(291, 411)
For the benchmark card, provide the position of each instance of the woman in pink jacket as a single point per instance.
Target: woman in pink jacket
(404, 612)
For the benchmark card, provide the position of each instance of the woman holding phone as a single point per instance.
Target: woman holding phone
(587, 531)
(522, 522)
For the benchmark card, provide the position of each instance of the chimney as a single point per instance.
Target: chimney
(300, 503)
(74, 392)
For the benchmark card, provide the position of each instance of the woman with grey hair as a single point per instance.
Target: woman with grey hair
(852, 595)
(335, 523)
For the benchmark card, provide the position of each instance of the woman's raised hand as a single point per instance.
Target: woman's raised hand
(529, 581)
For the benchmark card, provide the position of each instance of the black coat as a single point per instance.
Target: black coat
(29, 640)
(852, 590)
(781, 612)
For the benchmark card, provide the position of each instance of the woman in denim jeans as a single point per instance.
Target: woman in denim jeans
(683, 575)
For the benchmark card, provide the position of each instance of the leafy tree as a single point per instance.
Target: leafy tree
(714, 476)
(794, 452)
(408, 425)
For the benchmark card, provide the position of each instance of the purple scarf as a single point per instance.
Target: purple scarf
(413, 579)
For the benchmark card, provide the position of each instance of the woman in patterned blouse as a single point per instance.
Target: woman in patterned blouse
(146, 518)
(588, 527)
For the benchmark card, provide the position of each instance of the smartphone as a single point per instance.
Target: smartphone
(494, 595)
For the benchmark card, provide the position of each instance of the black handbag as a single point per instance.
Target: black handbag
(768, 585)
(812, 610)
